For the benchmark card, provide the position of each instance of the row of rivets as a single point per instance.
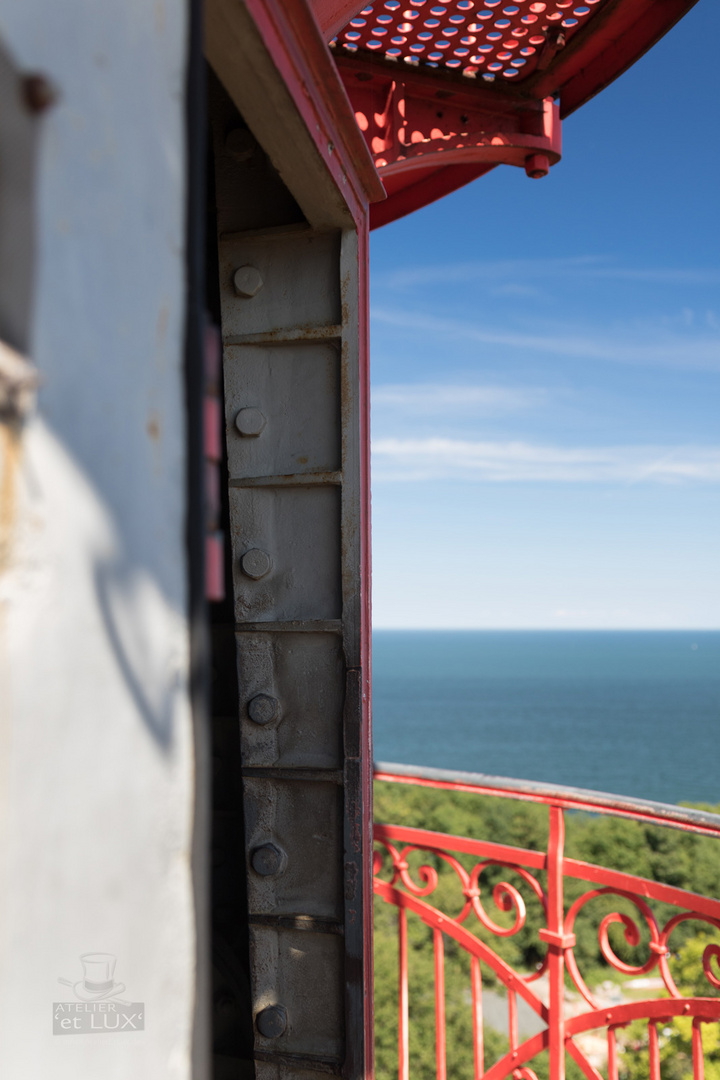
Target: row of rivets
(268, 859)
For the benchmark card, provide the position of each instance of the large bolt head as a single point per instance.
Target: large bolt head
(247, 282)
(268, 859)
(256, 564)
(39, 93)
(250, 422)
(272, 1021)
(263, 709)
(537, 166)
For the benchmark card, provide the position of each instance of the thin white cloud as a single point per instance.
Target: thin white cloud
(699, 353)
(491, 270)
(513, 462)
(514, 288)
(426, 399)
(586, 266)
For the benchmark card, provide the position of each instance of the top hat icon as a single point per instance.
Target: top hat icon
(97, 982)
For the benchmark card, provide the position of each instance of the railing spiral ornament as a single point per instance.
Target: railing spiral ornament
(710, 953)
(665, 951)
(541, 875)
(505, 897)
(632, 936)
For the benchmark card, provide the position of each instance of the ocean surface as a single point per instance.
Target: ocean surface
(632, 713)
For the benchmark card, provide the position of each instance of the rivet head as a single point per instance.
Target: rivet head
(263, 709)
(256, 564)
(268, 859)
(247, 282)
(272, 1021)
(250, 422)
(39, 93)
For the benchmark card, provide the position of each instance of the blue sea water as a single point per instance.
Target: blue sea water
(632, 713)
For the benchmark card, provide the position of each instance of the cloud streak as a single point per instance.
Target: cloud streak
(684, 353)
(398, 460)
(428, 399)
(589, 267)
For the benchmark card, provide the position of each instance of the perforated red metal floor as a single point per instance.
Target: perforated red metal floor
(444, 90)
(493, 39)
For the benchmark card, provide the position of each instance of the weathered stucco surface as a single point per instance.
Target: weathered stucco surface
(96, 754)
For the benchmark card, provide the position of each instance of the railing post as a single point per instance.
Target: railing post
(403, 1003)
(440, 1055)
(557, 942)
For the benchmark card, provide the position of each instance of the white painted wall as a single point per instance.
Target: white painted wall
(96, 748)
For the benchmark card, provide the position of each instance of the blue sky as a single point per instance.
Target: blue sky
(546, 374)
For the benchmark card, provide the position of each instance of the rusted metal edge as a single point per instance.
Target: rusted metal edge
(293, 626)
(323, 776)
(274, 63)
(569, 797)
(294, 24)
(311, 923)
(287, 480)
(330, 1065)
(292, 335)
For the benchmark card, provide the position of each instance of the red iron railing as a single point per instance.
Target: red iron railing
(543, 875)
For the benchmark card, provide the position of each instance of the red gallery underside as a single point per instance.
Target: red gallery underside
(445, 90)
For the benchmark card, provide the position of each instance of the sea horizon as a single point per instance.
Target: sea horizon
(629, 712)
(546, 629)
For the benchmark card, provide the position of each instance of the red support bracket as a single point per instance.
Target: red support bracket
(419, 125)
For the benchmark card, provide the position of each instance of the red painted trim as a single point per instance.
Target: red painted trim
(332, 15)
(568, 802)
(366, 633)
(611, 43)
(652, 890)
(599, 875)
(708, 1009)
(465, 845)
(440, 1048)
(556, 952)
(293, 39)
(403, 1024)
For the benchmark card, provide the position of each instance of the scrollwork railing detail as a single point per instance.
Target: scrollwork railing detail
(641, 914)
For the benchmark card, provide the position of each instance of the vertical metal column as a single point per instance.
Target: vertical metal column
(292, 343)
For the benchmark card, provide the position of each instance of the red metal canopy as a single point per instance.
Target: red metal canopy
(444, 90)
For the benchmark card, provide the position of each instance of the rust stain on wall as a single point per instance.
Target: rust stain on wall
(10, 445)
